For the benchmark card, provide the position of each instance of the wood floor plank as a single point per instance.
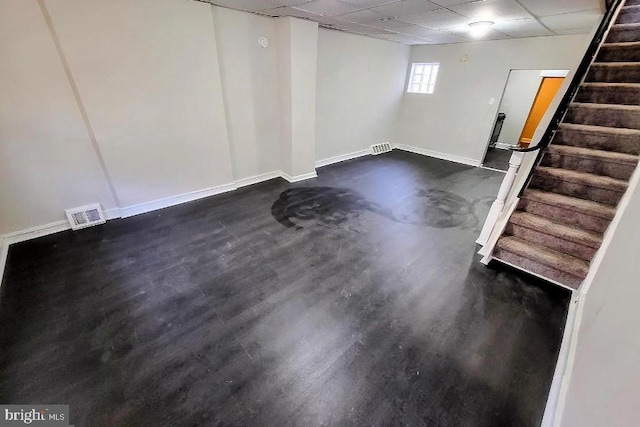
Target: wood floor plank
(354, 298)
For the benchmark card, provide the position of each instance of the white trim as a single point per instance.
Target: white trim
(554, 73)
(342, 158)
(175, 200)
(493, 169)
(298, 178)
(502, 146)
(4, 252)
(438, 155)
(553, 406)
(258, 178)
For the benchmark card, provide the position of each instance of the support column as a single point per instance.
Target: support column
(297, 59)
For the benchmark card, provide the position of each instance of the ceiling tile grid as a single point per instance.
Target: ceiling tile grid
(435, 21)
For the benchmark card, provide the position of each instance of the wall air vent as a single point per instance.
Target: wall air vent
(85, 216)
(376, 149)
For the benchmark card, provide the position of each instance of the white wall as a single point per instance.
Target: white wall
(605, 379)
(360, 87)
(457, 119)
(47, 162)
(250, 84)
(522, 88)
(148, 75)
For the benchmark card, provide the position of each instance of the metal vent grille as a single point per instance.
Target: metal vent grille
(85, 216)
(385, 147)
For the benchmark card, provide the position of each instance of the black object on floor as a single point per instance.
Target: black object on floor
(282, 305)
(497, 159)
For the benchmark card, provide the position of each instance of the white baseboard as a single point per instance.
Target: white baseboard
(174, 200)
(438, 155)
(298, 177)
(258, 178)
(342, 158)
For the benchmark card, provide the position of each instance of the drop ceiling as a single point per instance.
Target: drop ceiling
(437, 21)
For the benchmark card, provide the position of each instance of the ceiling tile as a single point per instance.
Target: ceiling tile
(406, 7)
(362, 4)
(327, 7)
(438, 19)
(290, 11)
(401, 38)
(447, 3)
(522, 28)
(573, 23)
(419, 31)
(388, 23)
(365, 15)
(555, 7)
(492, 10)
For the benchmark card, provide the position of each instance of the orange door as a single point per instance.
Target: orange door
(547, 91)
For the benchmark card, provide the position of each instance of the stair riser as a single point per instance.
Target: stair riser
(539, 269)
(564, 216)
(615, 170)
(619, 54)
(608, 95)
(628, 119)
(628, 145)
(555, 185)
(619, 35)
(575, 249)
(628, 74)
(629, 16)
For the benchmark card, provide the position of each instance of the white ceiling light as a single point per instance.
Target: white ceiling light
(480, 28)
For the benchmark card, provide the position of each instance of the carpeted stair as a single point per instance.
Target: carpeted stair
(571, 199)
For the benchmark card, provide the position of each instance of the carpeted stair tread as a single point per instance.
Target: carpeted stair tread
(549, 257)
(594, 106)
(614, 72)
(587, 207)
(629, 14)
(609, 93)
(614, 132)
(619, 52)
(589, 179)
(590, 153)
(599, 162)
(624, 33)
(609, 115)
(565, 232)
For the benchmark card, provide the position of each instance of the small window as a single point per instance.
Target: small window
(423, 78)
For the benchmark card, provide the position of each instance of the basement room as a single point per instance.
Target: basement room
(319, 213)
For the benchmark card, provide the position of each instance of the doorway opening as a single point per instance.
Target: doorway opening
(526, 98)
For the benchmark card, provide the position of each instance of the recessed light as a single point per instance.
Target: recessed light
(480, 28)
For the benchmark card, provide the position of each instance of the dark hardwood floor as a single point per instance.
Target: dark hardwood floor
(351, 299)
(497, 158)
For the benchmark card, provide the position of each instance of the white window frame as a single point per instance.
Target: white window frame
(423, 77)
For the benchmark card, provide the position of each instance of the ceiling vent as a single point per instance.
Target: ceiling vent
(85, 216)
(385, 147)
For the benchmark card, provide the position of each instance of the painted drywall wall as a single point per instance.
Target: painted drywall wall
(457, 119)
(605, 379)
(47, 162)
(250, 84)
(360, 87)
(148, 75)
(517, 100)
